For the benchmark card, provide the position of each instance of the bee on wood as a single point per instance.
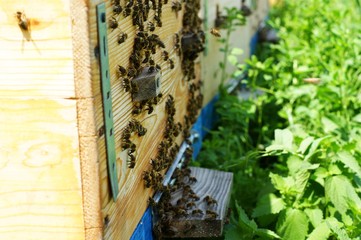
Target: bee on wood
(141, 130)
(192, 180)
(147, 179)
(132, 72)
(165, 55)
(122, 37)
(134, 89)
(210, 201)
(117, 9)
(190, 205)
(146, 56)
(122, 71)
(165, 1)
(211, 214)
(129, 4)
(176, 6)
(126, 84)
(181, 212)
(101, 131)
(197, 212)
(193, 196)
(154, 5)
(149, 108)
(171, 63)
(132, 148)
(113, 23)
(126, 135)
(215, 32)
(22, 21)
(151, 202)
(151, 26)
(131, 161)
(181, 201)
(126, 144)
(127, 11)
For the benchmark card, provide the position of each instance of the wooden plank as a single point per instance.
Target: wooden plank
(40, 183)
(121, 217)
(211, 184)
(37, 62)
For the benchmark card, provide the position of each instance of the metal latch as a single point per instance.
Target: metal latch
(107, 99)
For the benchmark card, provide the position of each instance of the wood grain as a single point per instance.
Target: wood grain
(213, 183)
(124, 214)
(38, 62)
(40, 183)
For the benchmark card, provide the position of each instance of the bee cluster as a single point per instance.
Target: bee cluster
(187, 205)
(167, 150)
(133, 126)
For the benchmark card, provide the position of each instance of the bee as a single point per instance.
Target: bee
(176, 6)
(192, 180)
(165, 1)
(211, 214)
(131, 161)
(151, 202)
(210, 201)
(122, 71)
(113, 23)
(146, 57)
(132, 148)
(122, 37)
(129, 4)
(141, 130)
(181, 201)
(126, 134)
(165, 55)
(197, 212)
(149, 108)
(181, 212)
(22, 21)
(126, 145)
(136, 110)
(154, 5)
(127, 11)
(101, 131)
(126, 84)
(171, 63)
(151, 26)
(190, 205)
(132, 72)
(117, 9)
(133, 87)
(215, 32)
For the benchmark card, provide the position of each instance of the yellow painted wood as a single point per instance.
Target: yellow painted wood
(40, 182)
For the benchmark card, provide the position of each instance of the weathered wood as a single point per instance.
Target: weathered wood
(210, 183)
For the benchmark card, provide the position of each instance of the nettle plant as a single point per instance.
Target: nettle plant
(317, 181)
(311, 83)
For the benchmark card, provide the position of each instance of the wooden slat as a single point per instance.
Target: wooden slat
(213, 183)
(40, 184)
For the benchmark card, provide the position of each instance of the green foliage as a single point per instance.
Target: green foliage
(295, 151)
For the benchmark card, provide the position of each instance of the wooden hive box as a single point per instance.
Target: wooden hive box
(54, 181)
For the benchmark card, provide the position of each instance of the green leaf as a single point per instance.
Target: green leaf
(268, 204)
(292, 224)
(314, 215)
(305, 144)
(244, 221)
(237, 51)
(357, 118)
(350, 162)
(233, 233)
(301, 179)
(336, 227)
(232, 59)
(321, 232)
(266, 233)
(283, 141)
(283, 184)
(328, 125)
(339, 191)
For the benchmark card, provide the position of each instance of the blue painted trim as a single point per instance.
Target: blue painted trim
(144, 228)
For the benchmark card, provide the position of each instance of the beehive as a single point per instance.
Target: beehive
(54, 181)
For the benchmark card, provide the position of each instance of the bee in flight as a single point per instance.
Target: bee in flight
(215, 32)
